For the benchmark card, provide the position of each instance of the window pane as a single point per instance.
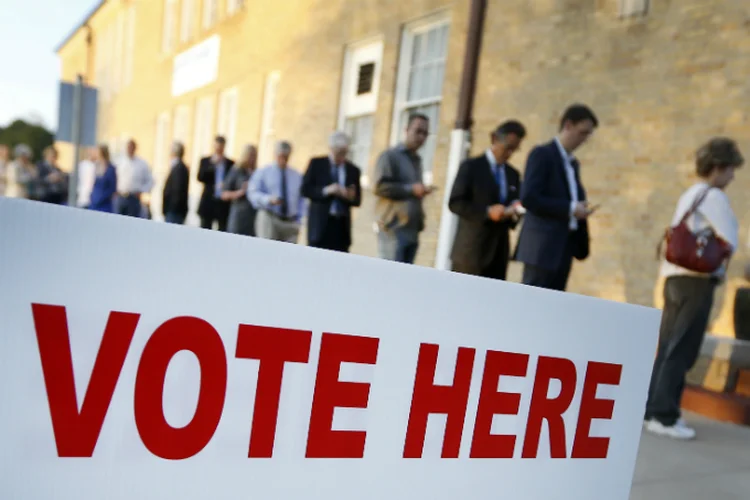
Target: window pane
(433, 44)
(427, 64)
(416, 51)
(360, 130)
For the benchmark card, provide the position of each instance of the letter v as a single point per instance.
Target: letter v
(76, 433)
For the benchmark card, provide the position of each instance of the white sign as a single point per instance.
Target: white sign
(274, 371)
(196, 67)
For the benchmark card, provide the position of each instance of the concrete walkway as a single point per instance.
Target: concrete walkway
(716, 466)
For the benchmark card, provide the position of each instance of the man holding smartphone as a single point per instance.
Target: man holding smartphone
(332, 185)
(400, 190)
(485, 198)
(555, 229)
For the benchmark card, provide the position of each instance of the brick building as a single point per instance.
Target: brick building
(663, 76)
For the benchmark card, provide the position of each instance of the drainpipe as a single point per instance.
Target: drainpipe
(461, 134)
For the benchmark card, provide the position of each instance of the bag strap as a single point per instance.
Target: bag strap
(690, 212)
(696, 204)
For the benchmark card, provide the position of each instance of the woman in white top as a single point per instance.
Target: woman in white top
(688, 296)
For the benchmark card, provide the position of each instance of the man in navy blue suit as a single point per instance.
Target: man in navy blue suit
(555, 228)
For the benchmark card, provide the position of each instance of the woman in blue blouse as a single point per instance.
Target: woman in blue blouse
(105, 185)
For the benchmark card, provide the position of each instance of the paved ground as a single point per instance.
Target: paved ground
(716, 466)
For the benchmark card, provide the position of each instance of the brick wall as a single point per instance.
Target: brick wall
(661, 85)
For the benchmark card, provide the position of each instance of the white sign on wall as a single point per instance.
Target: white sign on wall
(283, 372)
(196, 67)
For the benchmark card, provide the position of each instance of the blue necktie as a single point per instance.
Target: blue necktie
(500, 182)
(219, 179)
(284, 199)
(336, 205)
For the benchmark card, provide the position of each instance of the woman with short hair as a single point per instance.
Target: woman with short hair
(688, 295)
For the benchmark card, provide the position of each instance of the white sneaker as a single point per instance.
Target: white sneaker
(679, 430)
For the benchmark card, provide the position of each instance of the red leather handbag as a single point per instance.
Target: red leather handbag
(701, 252)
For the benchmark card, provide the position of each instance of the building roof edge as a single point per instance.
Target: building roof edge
(80, 25)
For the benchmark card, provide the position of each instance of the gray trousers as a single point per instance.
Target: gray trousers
(270, 227)
(687, 309)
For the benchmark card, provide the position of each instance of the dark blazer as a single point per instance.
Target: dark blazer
(319, 175)
(210, 206)
(175, 196)
(546, 197)
(478, 238)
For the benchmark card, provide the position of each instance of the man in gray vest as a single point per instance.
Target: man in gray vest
(400, 191)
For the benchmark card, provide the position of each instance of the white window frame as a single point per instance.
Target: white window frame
(119, 51)
(267, 128)
(187, 29)
(129, 46)
(161, 164)
(227, 122)
(234, 6)
(181, 125)
(203, 132)
(161, 144)
(632, 8)
(101, 66)
(168, 26)
(351, 106)
(210, 13)
(401, 102)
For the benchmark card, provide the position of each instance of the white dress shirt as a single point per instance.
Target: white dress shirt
(133, 176)
(572, 184)
(86, 179)
(714, 213)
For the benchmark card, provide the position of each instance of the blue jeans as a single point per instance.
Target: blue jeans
(174, 218)
(394, 246)
(129, 205)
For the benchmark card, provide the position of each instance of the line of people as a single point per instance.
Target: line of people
(44, 181)
(270, 202)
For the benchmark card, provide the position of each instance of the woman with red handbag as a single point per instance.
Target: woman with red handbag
(703, 236)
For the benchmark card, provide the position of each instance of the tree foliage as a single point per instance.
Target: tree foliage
(20, 132)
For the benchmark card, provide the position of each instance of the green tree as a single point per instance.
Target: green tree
(35, 136)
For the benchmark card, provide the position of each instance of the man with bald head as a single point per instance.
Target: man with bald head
(333, 187)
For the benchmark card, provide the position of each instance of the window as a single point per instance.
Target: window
(228, 119)
(359, 97)
(420, 82)
(233, 6)
(210, 13)
(129, 46)
(267, 132)
(170, 8)
(630, 8)
(181, 130)
(186, 21)
(162, 149)
(204, 131)
(360, 130)
(118, 56)
(102, 66)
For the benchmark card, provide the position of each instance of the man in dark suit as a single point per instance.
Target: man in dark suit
(332, 185)
(555, 228)
(212, 171)
(485, 197)
(175, 196)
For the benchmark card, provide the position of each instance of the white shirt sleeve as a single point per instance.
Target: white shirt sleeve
(719, 214)
(148, 179)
